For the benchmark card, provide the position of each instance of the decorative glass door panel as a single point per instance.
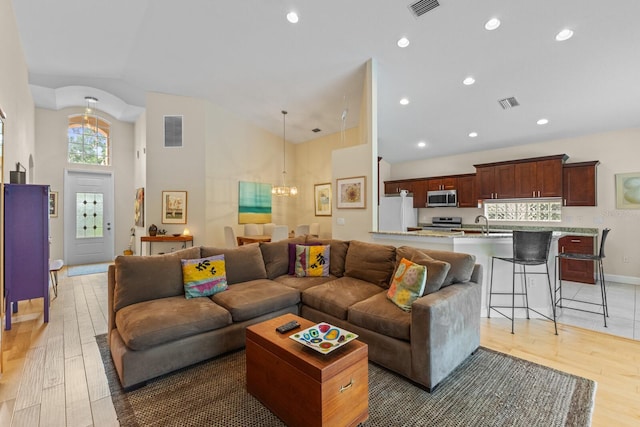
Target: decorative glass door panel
(89, 215)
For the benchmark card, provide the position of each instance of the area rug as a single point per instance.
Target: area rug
(81, 270)
(488, 389)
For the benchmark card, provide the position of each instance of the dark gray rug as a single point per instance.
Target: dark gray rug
(488, 389)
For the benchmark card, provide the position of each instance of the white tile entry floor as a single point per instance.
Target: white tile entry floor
(623, 303)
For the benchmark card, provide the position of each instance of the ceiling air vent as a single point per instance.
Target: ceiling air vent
(421, 7)
(507, 103)
(173, 131)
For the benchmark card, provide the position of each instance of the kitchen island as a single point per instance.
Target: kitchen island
(484, 247)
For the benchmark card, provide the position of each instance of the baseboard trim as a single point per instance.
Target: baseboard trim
(627, 280)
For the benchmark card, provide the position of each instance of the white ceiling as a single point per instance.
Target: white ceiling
(245, 57)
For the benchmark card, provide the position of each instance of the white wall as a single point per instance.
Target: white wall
(140, 173)
(618, 152)
(51, 162)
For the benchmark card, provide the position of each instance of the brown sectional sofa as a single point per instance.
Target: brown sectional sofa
(154, 329)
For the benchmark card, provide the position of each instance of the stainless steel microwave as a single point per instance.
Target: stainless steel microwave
(442, 198)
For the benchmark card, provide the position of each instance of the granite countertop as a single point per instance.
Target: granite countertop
(494, 232)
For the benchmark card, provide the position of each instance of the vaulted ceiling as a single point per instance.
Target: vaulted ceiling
(247, 58)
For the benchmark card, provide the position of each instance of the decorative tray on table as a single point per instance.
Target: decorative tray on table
(323, 337)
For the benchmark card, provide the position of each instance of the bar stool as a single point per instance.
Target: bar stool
(597, 258)
(530, 248)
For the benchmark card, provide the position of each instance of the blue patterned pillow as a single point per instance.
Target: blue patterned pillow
(204, 277)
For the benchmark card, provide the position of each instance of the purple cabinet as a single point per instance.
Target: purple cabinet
(26, 245)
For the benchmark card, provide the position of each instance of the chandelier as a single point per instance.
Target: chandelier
(284, 190)
(89, 110)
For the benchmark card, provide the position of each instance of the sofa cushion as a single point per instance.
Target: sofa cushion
(407, 284)
(276, 256)
(302, 283)
(312, 260)
(461, 264)
(338, 254)
(380, 315)
(151, 323)
(254, 298)
(203, 277)
(243, 263)
(370, 262)
(335, 297)
(143, 278)
(292, 254)
(436, 270)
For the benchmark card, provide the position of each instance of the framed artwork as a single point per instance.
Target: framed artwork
(351, 192)
(628, 190)
(139, 208)
(254, 203)
(174, 207)
(53, 204)
(322, 199)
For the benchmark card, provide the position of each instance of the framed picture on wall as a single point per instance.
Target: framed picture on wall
(351, 193)
(174, 207)
(138, 210)
(53, 204)
(322, 199)
(628, 190)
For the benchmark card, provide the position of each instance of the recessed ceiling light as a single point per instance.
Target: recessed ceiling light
(403, 42)
(563, 35)
(492, 24)
(404, 101)
(473, 134)
(422, 144)
(292, 17)
(542, 121)
(469, 81)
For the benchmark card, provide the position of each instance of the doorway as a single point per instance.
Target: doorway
(88, 217)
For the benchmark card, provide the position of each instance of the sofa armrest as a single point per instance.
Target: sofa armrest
(111, 285)
(445, 330)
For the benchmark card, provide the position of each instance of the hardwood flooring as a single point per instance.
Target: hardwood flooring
(54, 375)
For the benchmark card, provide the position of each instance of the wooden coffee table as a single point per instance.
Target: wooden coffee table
(302, 386)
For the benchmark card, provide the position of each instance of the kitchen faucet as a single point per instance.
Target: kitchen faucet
(485, 227)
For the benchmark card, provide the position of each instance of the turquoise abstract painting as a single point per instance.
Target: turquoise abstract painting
(254, 203)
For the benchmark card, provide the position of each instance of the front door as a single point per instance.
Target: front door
(88, 217)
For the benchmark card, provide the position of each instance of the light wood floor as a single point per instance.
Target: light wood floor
(54, 376)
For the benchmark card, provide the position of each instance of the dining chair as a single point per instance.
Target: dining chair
(251, 230)
(280, 232)
(530, 248)
(230, 237)
(267, 229)
(314, 229)
(599, 277)
(302, 230)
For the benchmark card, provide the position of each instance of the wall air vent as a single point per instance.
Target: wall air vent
(173, 131)
(507, 103)
(421, 7)
(316, 130)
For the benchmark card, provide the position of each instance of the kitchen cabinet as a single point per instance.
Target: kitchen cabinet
(442, 183)
(495, 182)
(467, 191)
(419, 193)
(538, 179)
(579, 184)
(394, 187)
(576, 270)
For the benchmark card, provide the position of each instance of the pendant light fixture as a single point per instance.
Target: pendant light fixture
(89, 110)
(284, 190)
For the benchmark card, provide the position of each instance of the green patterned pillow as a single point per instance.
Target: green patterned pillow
(312, 260)
(204, 277)
(408, 284)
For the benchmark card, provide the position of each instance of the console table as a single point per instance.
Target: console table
(151, 239)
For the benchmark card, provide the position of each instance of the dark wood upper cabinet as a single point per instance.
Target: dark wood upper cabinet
(538, 179)
(495, 182)
(420, 193)
(467, 191)
(442, 183)
(580, 184)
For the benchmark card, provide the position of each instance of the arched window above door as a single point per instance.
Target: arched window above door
(89, 140)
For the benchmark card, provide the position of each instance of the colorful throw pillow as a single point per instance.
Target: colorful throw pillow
(292, 255)
(408, 284)
(204, 277)
(312, 260)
